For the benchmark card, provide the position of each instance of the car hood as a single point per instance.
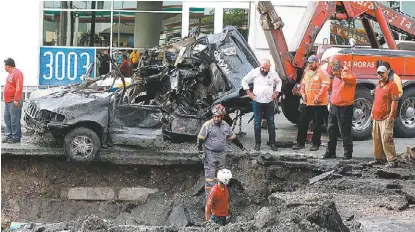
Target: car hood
(60, 98)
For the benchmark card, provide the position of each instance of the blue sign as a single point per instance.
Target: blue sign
(64, 65)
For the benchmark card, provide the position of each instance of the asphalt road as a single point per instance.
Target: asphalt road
(286, 131)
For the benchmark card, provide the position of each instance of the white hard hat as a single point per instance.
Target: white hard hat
(224, 176)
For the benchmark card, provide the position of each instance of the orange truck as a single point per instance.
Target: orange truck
(362, 61)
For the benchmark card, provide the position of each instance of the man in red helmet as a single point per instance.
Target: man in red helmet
(212, 137)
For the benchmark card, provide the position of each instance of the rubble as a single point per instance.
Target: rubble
(275, 196)
(169, 96)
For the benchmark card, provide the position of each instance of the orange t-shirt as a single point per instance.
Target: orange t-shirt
(384, 96)
(218, 201)
(342, 91)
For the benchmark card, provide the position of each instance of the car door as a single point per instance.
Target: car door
(134, 124)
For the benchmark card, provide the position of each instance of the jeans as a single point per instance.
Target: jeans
(12, 117)
(267, 109)
(218, 220)
(308, 113)
(340, 122)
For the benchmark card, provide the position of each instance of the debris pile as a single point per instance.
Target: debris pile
(171, 92)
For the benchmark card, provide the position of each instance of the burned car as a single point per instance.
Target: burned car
(168, 98)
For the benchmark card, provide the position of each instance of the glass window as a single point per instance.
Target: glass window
(144, 29)
(165, 6)
(106, 5)
(202, 18)
(69, 28)
(238, 18)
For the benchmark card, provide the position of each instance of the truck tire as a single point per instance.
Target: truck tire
(289, 107)
(362, 109)
(81, 144)
(405, 121)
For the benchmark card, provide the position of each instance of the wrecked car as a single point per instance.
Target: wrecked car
(169, 98)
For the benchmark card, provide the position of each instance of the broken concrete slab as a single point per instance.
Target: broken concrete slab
(198, 187)
(321, 177)
(91, 193)
(135, 194)
(327, 216)
(178, 216)
(394, 202)
(265, 217)
(386, 174)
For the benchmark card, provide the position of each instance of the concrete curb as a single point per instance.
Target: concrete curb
(107, 193)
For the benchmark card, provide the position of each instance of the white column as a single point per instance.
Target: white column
(218, 22)
(185, 18)
(252, 20)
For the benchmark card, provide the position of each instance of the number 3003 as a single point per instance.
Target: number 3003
(61, 66)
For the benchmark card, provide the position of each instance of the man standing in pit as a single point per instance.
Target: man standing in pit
(212, 137)
(267, 86)
(383, 115)
(316, 85)
(341, 109)
(217, 204)
(13, 99)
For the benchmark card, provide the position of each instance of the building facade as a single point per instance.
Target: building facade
(56, 40)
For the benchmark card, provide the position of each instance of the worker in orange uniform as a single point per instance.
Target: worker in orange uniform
(316, 98)
(383, 115)
(217, 204)
(341, 109)
(394, 77)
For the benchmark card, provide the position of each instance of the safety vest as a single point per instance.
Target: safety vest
(316, 86)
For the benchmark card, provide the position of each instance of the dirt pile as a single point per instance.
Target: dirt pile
(322, 217)
(277, 193)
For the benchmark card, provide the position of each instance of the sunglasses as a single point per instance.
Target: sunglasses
(381, 73)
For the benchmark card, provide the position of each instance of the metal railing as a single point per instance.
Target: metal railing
(27, 90)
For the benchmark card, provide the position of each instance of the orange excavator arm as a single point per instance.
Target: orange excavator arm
(317, 13)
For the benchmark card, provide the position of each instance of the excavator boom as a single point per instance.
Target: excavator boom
(288, 63)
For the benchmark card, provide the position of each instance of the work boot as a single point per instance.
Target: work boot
(298, 146)
(328, 155)
(314, 148)
(391, 165)
(273, 147)
(347, 157)
(257, 146)
(377, 162)
(5, 139)
(14, 140)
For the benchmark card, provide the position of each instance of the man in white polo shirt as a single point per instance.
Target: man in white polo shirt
(267, 86)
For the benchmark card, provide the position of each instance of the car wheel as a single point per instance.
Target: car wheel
(362, 109)
(289, 107)
(405, 121)
(81, 144)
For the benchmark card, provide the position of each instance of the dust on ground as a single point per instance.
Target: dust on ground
(278, 193)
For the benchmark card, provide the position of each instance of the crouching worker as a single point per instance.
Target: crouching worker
(217, 204)
(212, 137)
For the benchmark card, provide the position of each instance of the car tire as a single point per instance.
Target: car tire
(362, 109)
(81, 144)
(405, 124)
(289, 107)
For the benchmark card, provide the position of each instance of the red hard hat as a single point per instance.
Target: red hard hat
(219, 109)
